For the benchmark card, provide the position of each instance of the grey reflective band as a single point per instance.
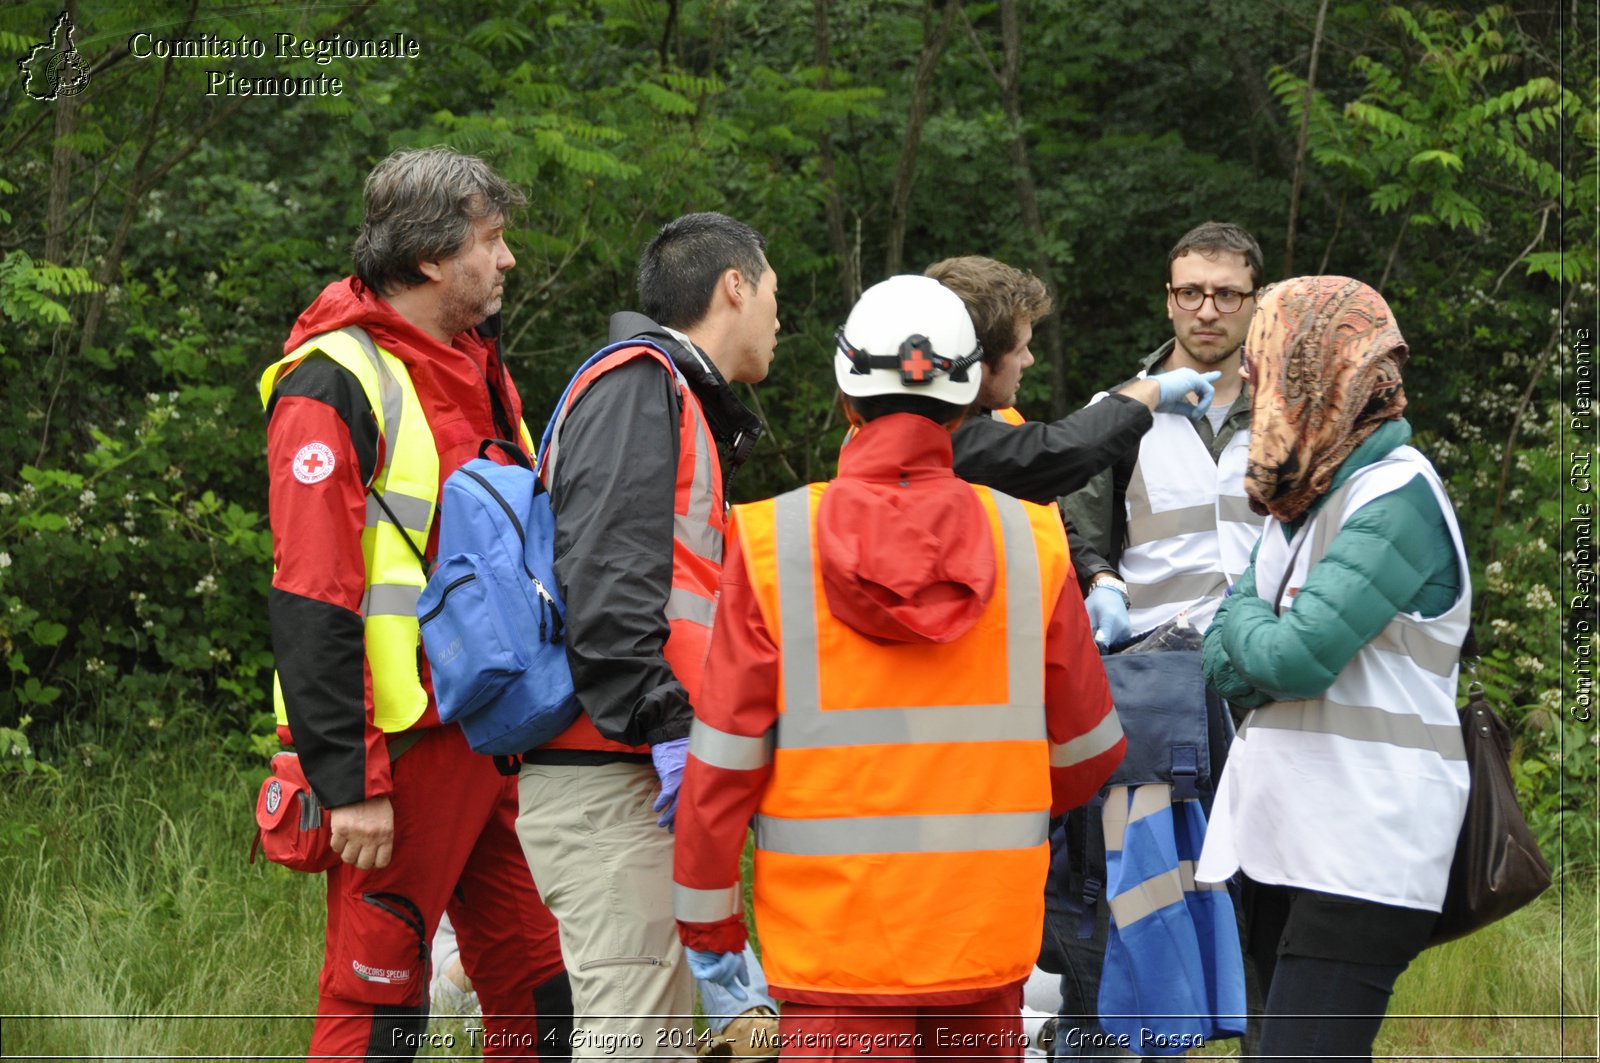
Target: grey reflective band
(1189, 587)
(686, 605)
(1235, 509)
(390, 599)
(1407, 639)
(1137, 496)
(1024, 609)
(1118, 811)
(732, 752)
(414, 512)
(694, 529)
(1153, 527)
(1359, 723)
(1151, 895)
(866, 835)
(1101, 737)
(390, 396)
(706, 906)
(796, 606)
(897, 726)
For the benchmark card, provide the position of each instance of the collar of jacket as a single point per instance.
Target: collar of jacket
(731, 422)
(1376, 447)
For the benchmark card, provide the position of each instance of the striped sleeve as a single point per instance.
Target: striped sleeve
(1086, 741)
(730, 760)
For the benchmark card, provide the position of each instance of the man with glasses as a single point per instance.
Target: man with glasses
(1146, 549)
(1160, 536)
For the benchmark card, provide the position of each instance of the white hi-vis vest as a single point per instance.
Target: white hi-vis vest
(1361, 791)
(409, 483)
(1190, 529)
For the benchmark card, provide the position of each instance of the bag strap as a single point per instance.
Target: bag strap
(401, 528)
(561, 403)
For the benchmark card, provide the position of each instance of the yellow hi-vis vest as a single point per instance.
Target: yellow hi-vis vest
(409, 484)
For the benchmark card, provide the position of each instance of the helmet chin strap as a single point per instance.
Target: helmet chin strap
(916, 360)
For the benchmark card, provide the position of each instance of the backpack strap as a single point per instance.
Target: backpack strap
(548, 438)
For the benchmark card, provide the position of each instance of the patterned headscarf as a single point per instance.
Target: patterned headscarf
(1324, 358)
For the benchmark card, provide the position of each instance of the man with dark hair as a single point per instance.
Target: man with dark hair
(637, 485)
(388, 384)
(1161, 536)
(902, 684)
(1131, 557)
(1038, 461)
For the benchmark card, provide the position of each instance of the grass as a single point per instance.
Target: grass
(132, 924)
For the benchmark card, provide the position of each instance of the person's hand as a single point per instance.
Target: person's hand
(669, 759)
(726, 969)
(1176, 385)
(363, 834)
(1108, 616)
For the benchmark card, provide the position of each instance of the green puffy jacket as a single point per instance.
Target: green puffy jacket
(1393, 555)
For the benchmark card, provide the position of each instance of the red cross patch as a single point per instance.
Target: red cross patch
(313, 463)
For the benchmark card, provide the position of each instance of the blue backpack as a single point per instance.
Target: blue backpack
(491, 615)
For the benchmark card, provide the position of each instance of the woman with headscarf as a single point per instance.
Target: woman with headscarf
(1346, 787)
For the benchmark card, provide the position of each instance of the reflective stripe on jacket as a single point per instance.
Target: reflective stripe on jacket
(1190, 529)
(901, 841)
(1359, 791)
(698, 526)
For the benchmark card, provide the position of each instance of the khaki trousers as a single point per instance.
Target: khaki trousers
(605, 870)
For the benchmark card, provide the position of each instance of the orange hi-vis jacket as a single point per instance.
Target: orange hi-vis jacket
(904, 787)
(698, 525)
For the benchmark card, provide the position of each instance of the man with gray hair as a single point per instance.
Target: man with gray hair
(390, 380)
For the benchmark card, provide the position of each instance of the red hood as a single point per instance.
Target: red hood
(907, 553)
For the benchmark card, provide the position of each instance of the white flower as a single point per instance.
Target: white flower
(5, 499)
(5, 559)
(1539, 597)
(87, 498)
(207, 585)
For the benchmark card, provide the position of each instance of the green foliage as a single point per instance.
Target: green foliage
(190, 229)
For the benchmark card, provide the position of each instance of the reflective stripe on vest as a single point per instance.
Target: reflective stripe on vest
(699, 523)
(409, 482)
(900, 772)
(1359, 791)
(1173, 967)
(1189, 531)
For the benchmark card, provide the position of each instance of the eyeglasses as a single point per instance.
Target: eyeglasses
(1226, 300)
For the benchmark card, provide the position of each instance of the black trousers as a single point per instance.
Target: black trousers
(1328, 965)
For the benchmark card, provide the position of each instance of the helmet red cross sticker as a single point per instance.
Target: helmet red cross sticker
(313, 462)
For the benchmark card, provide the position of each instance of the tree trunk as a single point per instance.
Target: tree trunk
(1028, 201)
(833, 208)
(935, 38)
(1300, 146)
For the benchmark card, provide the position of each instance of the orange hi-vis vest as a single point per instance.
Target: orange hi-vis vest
(901, 845)
(698, 526)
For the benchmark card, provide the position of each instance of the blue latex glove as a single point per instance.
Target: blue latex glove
(669, 759)
(1175, 386)
(726, 969)
(1108, 617)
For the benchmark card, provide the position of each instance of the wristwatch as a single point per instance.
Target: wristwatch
(1110, 579)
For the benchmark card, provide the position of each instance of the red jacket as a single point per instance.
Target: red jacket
(314, 604)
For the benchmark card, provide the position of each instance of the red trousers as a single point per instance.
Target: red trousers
(455, 849)
(986, 1029)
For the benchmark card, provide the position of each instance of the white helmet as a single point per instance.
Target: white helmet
(909, 335)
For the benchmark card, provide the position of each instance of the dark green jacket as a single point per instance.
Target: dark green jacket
(1393, 555)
